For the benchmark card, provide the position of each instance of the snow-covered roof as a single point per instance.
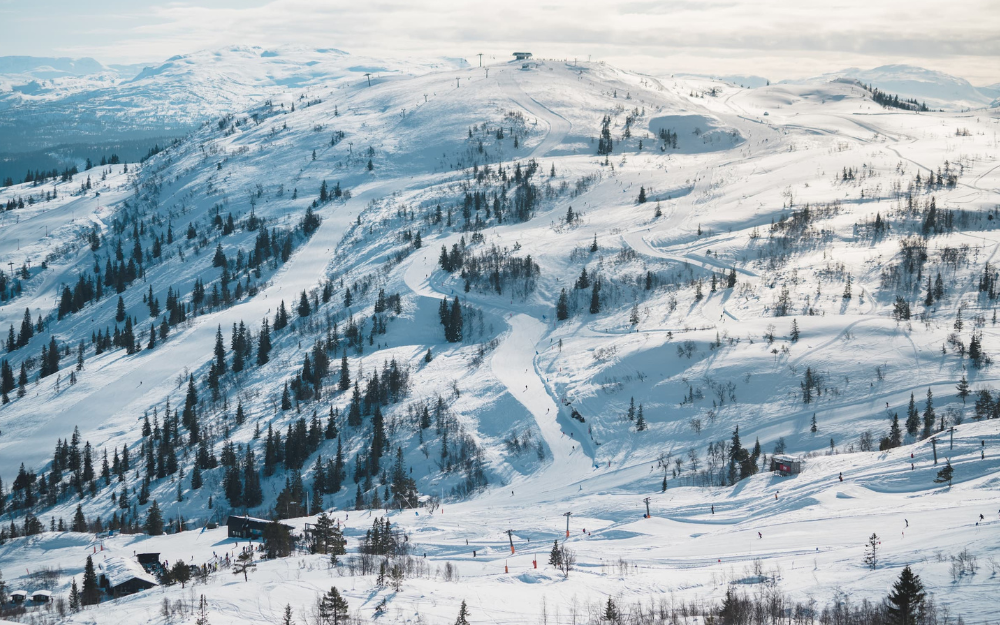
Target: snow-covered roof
(42, 593)
(19, 593)
(120, 570)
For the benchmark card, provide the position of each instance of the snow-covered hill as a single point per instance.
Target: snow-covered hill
(741, 258)
(937, 89)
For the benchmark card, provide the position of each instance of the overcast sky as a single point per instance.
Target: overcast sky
(777, 39)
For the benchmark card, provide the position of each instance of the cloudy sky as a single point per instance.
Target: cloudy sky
(773, 38)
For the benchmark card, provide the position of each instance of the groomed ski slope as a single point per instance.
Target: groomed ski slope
(807, 531)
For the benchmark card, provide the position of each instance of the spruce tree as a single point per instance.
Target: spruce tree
(906, 601)
(463, 615)
(154, 520)
(929, 414)
(945, 474)
(912, 417)
(562, 306)
(595, 298)
(91, 593)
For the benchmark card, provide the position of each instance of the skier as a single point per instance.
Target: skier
(759, 535)
(841, 476)
(713, 508)
(907, 522)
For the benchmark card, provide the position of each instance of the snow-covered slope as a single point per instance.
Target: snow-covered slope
(752, 289)
(937, 89)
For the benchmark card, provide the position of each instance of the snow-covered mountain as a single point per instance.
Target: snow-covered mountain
(47, 104)
(938, 89)
(460, 272)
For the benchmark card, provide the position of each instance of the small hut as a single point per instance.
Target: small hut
(786, 465)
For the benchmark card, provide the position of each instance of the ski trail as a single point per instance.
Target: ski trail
(559, 126)
(637, 242)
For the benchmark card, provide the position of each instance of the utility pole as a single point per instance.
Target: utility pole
(934, 445)
(369, 77)
(480, 59)
(510, 537)
(951, 442)
(567, 515)
(646, 501)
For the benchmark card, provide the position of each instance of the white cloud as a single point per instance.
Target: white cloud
(775, 38)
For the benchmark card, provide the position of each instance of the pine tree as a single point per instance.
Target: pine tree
(963, 388)
(555, 556)
(75, 603)
(562, 306)
(463, 615)
(929, 414)
(871, 551)
(91, 593)
(640, 421)
(304, 309)
(895, 435)
(905, 603)
(610, 611)
(642, 195)
(945, 474)
(333, 608)
(154, 520)
(220, 352)
(795, 331)
(286, 399)
(79, 521)
(812, 425)
(912, 417)
(595, 298)
(263, 344)
(345, 376)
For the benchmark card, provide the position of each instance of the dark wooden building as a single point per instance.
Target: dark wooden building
(123, 576)
(248, 527)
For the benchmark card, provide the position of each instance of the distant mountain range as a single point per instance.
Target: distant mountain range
(48, 103)
(937, 89)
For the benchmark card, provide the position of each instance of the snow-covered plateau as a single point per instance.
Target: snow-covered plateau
(504, 306)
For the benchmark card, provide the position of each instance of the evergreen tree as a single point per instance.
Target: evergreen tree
(963, 388)
(555, 556)
(562, 306)
(595, 298)
(345, 375)
(640, 421)
(929, 414)
(75, 602)
(905, 603)
(895, 434)
(154, 520)
(871, 551)
(220, 352)
(304, 309)
(91, 593)
(912, 417)
(945, 474)
(263, 344)
(79, 521)
(333, 608)
(463, 615)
